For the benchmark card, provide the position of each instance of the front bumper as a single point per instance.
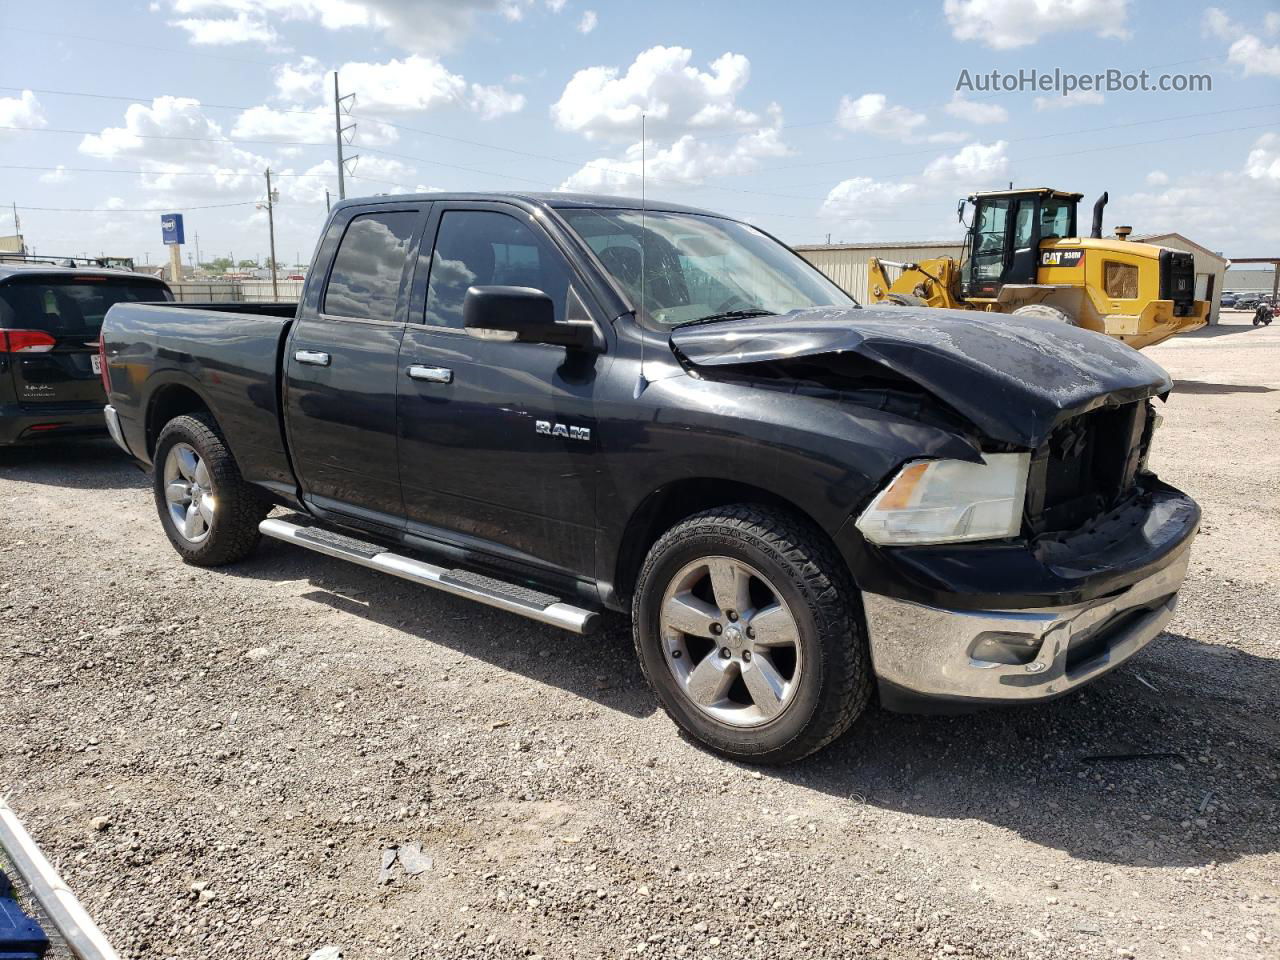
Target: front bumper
(931, 659)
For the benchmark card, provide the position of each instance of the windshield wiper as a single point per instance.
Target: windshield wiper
(726, 315)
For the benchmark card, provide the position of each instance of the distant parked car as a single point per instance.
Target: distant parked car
(1247, 301)
(50, 372)
(1228, 301)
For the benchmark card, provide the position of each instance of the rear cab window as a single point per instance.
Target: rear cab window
(369, 266)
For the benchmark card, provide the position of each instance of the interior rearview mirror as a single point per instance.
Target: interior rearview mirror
(526, 312)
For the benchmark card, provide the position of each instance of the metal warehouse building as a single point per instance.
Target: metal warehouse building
(846, 263)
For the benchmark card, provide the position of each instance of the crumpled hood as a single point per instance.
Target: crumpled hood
(1015, 378)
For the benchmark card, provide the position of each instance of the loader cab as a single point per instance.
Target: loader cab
(1005, 232)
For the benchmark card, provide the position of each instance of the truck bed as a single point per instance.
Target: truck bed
(161, 357)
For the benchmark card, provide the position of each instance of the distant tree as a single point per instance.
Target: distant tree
(218, 265)
(247, 264)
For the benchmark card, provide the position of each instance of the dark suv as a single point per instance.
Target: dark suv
(50, 374)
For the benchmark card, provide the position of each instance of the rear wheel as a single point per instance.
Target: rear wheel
(209, 513)
(747, 626)
(1045, 312)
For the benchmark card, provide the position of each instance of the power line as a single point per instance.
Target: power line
(207, 206)
(628, 173)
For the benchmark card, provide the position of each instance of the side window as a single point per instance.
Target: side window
(477, 248)
(1024, 226)
(365, 280)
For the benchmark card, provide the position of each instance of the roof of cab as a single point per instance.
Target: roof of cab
(10, 270)
(556, 201)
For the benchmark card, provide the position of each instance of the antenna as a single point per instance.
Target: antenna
(643, 271)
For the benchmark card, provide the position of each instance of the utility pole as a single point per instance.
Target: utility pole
(326, 200)
(271, 230)
(339, 130)
(197, 249)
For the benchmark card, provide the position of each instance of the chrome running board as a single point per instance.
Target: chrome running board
(511, 597)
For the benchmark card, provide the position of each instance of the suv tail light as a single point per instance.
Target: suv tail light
(102, 365)
(27, 341)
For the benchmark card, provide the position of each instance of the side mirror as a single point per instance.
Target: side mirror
(526, 314)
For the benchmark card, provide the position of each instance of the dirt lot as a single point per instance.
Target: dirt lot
(216, 760)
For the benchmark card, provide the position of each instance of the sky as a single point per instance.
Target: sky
(811, 120)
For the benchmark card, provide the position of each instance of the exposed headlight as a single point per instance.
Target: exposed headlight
(946, 501)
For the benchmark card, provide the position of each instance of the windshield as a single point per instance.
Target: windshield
(698, 268)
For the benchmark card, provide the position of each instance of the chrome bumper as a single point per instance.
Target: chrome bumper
(988, 656)
(113, 428)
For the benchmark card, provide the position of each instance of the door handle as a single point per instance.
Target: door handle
(430, 374)
(313, 357)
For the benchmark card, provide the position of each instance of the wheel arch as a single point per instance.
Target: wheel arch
(169, 400)
(671, 503)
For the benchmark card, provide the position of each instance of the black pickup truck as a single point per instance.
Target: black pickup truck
(560, 405)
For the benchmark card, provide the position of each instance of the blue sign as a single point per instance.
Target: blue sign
(171, 228)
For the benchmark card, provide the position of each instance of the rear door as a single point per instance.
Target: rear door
(341, 364)
(50, 326)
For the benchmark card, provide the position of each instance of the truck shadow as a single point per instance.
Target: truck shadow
(1182, 775)
(1194, 387)
(81, 465)
(601, 668)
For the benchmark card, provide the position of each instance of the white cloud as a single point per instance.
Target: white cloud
(305, 126)
(23, 110)
(588, 22)
(973, 112)
(1247, 51)
(299, 81)
(224, 31)
(495, 101)
(859, 201)
(59, 175)
(872, 113)
(399, 86)
(422, 26)
(555, 6)
(1006, 24)
(973, 164)
(1263, 162)
(1076, 98)
(686, 161)
(1157, 178)
(661, 84)
(172, 139)
(1206, 206)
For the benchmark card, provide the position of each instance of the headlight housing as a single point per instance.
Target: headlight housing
(950, 501)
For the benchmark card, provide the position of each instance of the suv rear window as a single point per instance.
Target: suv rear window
(70, 308)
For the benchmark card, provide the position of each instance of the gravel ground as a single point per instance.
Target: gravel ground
(217, 760)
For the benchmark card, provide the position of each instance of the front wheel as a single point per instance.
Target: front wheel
(209, 513)
(748, 627)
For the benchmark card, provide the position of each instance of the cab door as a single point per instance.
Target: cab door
(341, 364)
(497, 438)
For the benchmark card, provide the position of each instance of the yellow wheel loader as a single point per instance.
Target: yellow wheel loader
(1023, 255)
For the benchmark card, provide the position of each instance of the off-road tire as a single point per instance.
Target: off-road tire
(1045, 312)
(233, 535)
(904, 300)
(810, 575)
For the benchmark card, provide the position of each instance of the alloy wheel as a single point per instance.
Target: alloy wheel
(188, 491)
(731, 641)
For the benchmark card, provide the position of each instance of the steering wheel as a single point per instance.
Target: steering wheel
(735, 302)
